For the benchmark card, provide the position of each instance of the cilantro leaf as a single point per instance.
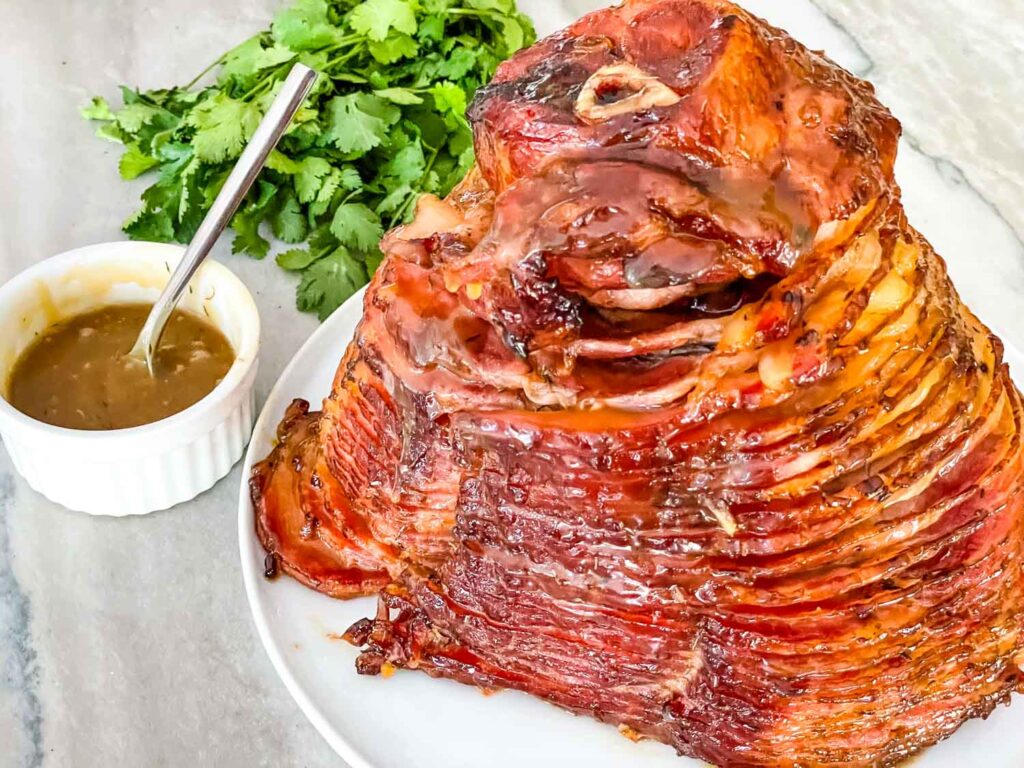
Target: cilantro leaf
(431, 29)
(223, 126)
(349, 178)
(295, 259)
(304, 26)
(309, 177)
(325, 196)
(402, 96)
(393, 48)
(407, 165)
(246, 223)
(374, 18)
(321, 241)
(149, 225)
(395, 200)
(248, 239)
(356, 226)
(189, 215)
(250, 58)
(133, 116)
(449, 98)
(458, 64)
(134, 163)
(327, 282)
(358, 122)
(110, 132)
(513, 34)
(96, 109)
(280, 162)
(289, 221)
(168, 214)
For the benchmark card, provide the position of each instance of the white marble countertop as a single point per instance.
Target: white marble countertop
(129, 641)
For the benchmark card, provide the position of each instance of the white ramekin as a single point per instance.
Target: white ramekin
(142, 469)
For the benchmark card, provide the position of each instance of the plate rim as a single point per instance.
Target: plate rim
(246, 538)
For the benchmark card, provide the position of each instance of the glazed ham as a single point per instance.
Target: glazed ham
(668, 416)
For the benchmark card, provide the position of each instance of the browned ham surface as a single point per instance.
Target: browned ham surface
(668, 416)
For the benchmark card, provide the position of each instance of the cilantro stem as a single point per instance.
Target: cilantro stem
(259, 87)
(399, 215)
(276, 74)
(343, 42)
(341, 59)
(199, 77)
(479, 13)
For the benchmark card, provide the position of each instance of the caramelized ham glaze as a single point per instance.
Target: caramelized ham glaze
(668, 416)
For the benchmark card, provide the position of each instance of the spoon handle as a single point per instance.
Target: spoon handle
(291, 96)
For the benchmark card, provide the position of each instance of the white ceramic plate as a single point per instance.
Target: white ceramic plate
(413, 721)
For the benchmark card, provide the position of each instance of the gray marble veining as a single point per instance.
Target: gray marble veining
(128, 641)
(950, 70)
(19, 702)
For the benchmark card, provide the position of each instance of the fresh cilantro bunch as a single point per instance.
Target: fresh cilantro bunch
(384, 123)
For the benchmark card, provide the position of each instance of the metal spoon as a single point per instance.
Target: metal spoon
(264, 139)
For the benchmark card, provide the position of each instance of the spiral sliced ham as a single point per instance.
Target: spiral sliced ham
(668, 416)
